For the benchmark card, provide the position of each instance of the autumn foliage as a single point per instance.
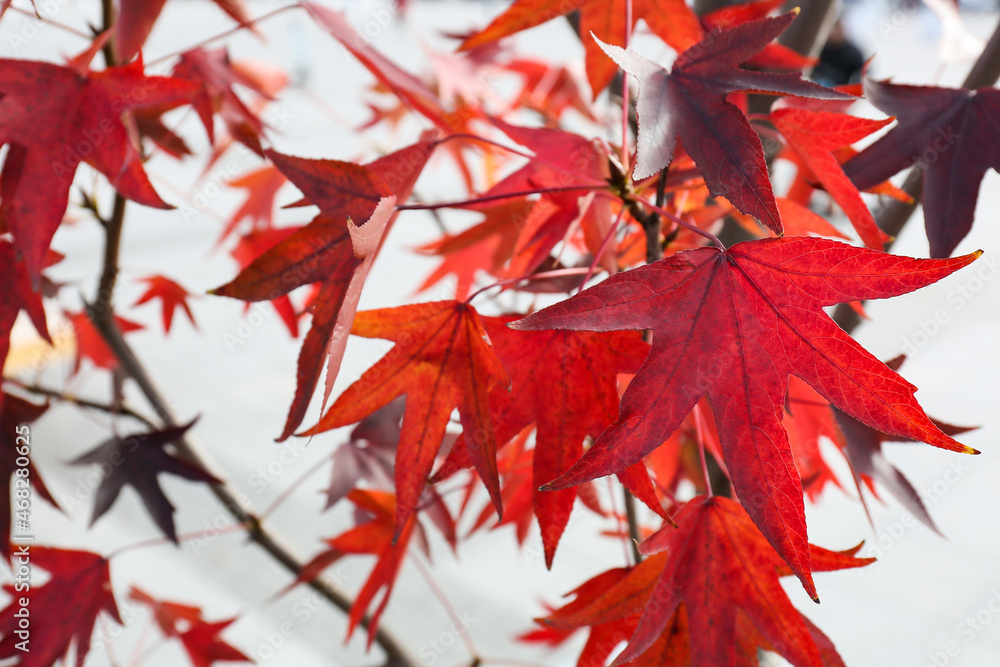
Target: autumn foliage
(703, 374)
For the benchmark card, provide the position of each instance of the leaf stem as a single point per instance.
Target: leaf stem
(163, 541)
(55, 24)
(287, 493)
(700, 434)
(604, 244)
(510, 149)
(499, 196)
(673, 218)
(556, 273)
(227, 33)
(457, 623)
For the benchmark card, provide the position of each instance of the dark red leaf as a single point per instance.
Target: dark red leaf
(136, 460)
(62, 612)
(950, 133)
(735, 325)
(690, 103)
(53, 118)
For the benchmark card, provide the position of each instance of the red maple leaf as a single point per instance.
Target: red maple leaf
(442, 360)
(690, 102)
(689, 602)
(950, 133)
(63, 611)
(814, 135)
(485, 246)
(548, 89)
(566, 384)
(136, 19)
(375, 534)
(205, 647)
(862, 446)
(261, 187)
(563, 160)
(335, 250)
(514, 464)
(718, 565)
(171, 295)
(613, 590)
(410, 90)
(809, 417)
(774, 56)
(171, 617)
(735, 324)
(672, 20)
(251, 246)
(53, 118)
(199, 637)
(214, 73)
(90, 344)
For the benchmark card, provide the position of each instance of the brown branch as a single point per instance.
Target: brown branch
(108, 19)
(809, 31)
(894, 217)
(82, 402)
(101, 314)
(633, 525)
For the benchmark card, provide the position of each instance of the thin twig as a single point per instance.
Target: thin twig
(108, 19)
(457, 623)
(227, 33)
(294, 486)
(82, 402)
(101, 314)
(503, 195)
(55, 24)
(510, 149)
(544, 275)
(658, 252)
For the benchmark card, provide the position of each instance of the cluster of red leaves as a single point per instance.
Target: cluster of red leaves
(743, 364)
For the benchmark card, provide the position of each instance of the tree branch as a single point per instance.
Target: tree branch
(82, 402)
(101, 313)
(102, 317)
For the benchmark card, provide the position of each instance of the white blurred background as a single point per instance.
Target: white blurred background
(904, 610)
